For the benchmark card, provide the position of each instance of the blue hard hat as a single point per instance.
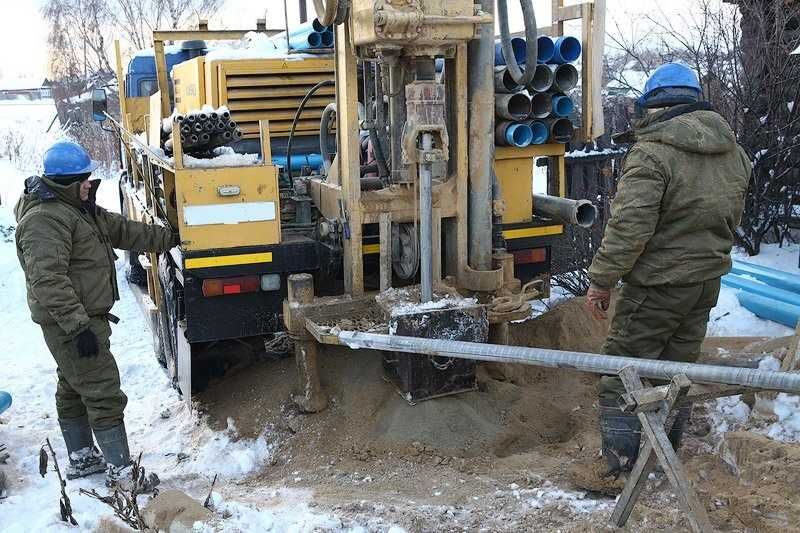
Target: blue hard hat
(671, 84)
(66, 158)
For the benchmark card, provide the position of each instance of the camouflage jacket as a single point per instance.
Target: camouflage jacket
(678, 202)
(66, 248)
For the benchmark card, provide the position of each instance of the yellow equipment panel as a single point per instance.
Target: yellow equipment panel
(270, 89)
(228, 207)
(190, 84)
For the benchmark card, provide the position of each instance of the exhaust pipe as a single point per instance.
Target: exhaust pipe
(580, 212)
(565, 77)
(561, 130)
(542, 104)
(504, 83)
(512, 106)
(543, 79)
(517, 134)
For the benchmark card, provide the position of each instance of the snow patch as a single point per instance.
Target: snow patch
(729, 413)
(787, 409)
(224, 156)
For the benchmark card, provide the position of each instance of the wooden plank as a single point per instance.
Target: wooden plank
(598, 40)
(348, 160)
(161, 73)
(653, 430)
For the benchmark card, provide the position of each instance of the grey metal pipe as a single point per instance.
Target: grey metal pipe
(504, 83)
(565, 77)
(580, 212)
(584, 362)
(541, 104)
(542, 79)
(426, 223)
(480, 90)
(512, 106)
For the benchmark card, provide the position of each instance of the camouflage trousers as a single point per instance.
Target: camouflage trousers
(87, 385)
(661, 322)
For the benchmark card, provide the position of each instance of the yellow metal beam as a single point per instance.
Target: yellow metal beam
(533, 232)
(228, 260)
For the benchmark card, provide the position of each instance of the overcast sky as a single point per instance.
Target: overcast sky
(23, 34)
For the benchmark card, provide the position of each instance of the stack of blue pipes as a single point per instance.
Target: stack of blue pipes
(310, 35)
(539, 113)
(768, 293)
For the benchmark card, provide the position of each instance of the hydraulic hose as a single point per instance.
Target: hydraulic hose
(520, 76)
(309, 94)
(327, 142)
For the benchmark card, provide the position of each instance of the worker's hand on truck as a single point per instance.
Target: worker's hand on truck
(597, 301)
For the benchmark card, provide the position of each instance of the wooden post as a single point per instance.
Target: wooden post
(348, 159)
(310, 397)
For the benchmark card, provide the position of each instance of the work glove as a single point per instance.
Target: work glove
(86, 342)
(597, 301)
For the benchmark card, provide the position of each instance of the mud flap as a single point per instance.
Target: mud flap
(184, 364)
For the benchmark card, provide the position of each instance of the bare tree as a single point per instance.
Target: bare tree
(741, 55)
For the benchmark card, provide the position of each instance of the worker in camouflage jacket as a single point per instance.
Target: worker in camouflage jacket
(65, 244)
(678, 203)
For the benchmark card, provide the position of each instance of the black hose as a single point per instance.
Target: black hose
(520, 76)
(377, 150)
(327, 142)
(309, 94)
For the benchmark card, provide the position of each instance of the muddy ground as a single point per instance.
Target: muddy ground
(498, 458)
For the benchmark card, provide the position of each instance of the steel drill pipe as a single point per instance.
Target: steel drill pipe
(512, 106)
(541, 105)
(185, 130)
(480, 90)
(198, 127)
(561, 130)
(504, 83)
(580, 212)
(209, 126)
(205, 137)
(584, 362)
(565, 77)
(543, 79)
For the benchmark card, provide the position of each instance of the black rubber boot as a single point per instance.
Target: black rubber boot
(120, 474)
(84, 459)
(621, 434)
(682, 418)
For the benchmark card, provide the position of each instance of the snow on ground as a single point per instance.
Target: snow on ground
(178, 446)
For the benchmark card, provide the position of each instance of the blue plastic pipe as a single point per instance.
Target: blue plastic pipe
(770, 276)
(327, 38)
(303, 29)
(563, 105)
(761, 289)
(540, 132)
(546, 49)
(519, 135)
(5, 401)
(517, 44)
(299, 161)
(567, 50)
(305, 41)
(769, 309)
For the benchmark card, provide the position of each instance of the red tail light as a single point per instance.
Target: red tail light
(526, 257)
(238, 285)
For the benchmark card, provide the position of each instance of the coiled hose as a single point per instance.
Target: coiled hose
(520, 76)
